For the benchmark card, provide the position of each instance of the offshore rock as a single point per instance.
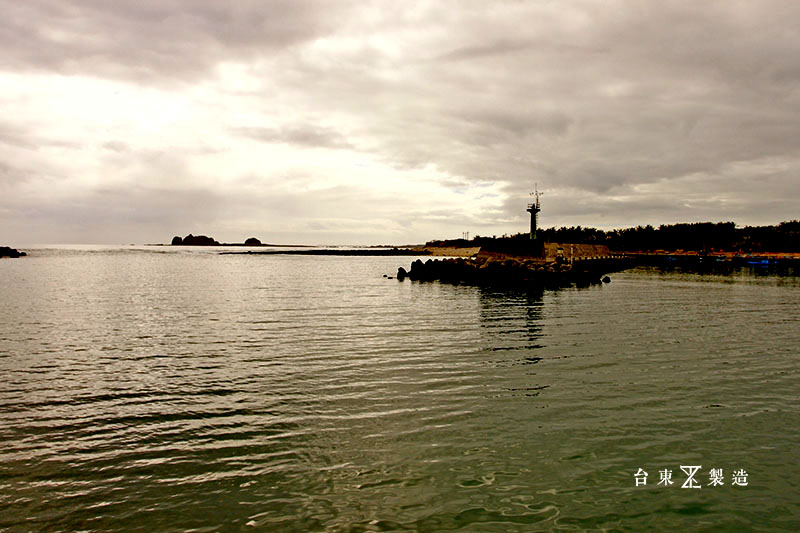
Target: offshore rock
(197, 240)
(416, 271)
(177, 241)
(5, 251)
(252, 241)
(495, 269)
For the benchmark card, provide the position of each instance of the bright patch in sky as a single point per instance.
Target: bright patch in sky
(320, 122)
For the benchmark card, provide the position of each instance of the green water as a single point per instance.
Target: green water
(155, 390)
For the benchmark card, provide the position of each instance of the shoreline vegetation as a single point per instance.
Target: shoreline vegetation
(700, 237)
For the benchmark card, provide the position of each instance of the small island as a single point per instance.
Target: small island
(5, 251)
(204, 240)
(194, 240)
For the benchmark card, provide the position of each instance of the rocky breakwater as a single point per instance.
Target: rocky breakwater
(513, 271)
(5, 251)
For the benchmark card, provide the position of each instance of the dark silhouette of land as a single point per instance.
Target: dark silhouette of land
(338, 251)
(194, 240)
(5, 251)
(559, 256)
(697, 237)
(585, 254)
(492, 269)
(204, 240)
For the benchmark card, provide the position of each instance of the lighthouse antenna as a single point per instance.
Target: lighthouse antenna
(536, 194)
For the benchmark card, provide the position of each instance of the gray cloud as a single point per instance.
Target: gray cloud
(156, 41)
(17, 135)
(116, 146)
(483, 50)
(308, 136)
(624, 113)
(132, 214)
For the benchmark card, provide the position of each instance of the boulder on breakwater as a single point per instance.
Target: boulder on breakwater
(5, 251)
(509, 270)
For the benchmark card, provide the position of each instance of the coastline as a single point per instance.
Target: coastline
(235, 244)
(448, 251)
(335, 251)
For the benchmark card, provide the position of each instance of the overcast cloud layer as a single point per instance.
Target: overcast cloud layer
(305, 121)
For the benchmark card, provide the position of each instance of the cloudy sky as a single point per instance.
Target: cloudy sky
(327, 121)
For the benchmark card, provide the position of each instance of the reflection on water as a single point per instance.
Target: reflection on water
(514, 316)
(739, 268)
(160, 390)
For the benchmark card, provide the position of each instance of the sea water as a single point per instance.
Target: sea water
(176, 389)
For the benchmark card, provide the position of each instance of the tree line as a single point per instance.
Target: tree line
(699, 236)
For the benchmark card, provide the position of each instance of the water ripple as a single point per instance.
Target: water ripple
(189, 391)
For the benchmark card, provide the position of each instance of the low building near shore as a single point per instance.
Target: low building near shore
(554, 251)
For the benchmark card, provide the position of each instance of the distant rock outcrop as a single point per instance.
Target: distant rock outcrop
(252, 241)
(194, 240)
(5, 251)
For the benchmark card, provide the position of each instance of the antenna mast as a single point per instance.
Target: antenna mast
(536, 194)
(534, 208)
